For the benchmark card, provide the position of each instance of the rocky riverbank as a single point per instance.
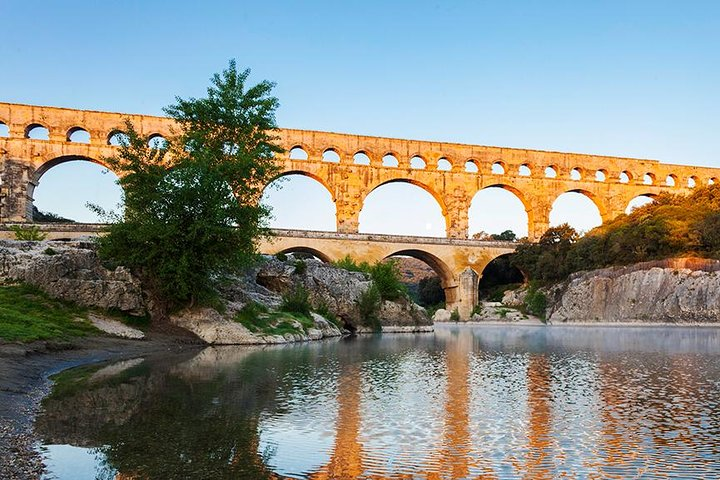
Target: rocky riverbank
(672, 291)
(72, 271)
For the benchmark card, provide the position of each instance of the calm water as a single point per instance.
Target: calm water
(465, 402)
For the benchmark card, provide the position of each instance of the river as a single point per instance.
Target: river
(465, 402)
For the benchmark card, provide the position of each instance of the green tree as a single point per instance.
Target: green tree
(192, 214)
(506, 236)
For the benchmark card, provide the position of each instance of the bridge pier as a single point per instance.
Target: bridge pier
(15, 195)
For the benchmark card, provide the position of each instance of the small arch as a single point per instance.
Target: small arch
(625, 177)
(330, 155)
(157, 141)
(498, 168)
(444, 164)
(4, 130)
(550, 171)
(649, 179)
(78, 135)
(389, 160)
(692, 181)
(576, 173)
(35, 131)
(117, 138)
(471, 166)
(712, 181)
(601, 175)
(361, 158)
(671, 180)
(639, 201)
(524, 170)
(298, 153)
(307, 251)
(417, 163)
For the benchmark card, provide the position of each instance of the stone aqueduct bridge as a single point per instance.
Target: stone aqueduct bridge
(451, 173)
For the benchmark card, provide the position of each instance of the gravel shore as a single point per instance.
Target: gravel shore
(24, 372)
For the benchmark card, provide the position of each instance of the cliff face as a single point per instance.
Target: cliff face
(684, 290)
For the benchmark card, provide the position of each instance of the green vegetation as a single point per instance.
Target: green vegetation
(28, 233)
(28, 314)
(297, 301)
(48, 217)
(324, 311)
(349, 264)
(430, 292)
(300, 267)
(281, 256)
(49, 251)
(191, 211)
(256, 318)
(455, 315)
(671, 226)
(535, 301)
(369, 306)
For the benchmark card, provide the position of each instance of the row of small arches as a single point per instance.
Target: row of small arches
(36, 131)
(497, 168)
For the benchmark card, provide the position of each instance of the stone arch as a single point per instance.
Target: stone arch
(298, 152)
(602, 208)
(390, 159)
(524, 170)
(4, 130)
(418, 162)
(433, 193)
(633, 203)
(649, 178)
(492, 276)
(45, 167)
(576, 173)
(303, 192)
(671, 180)
(518, 194)
(115, 136)
(317, 178)
(309, 250)
(156, 140)
(331, 155)
(77, 135)
(472, 166)
(444, 165)
(42, 169)
(41, 130)
(625, 177)
(447, 278)
(362, 157)
(498, 168)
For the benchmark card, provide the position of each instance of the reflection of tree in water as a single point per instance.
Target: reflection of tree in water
(177, 427)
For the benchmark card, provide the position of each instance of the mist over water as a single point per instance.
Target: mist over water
(464, 402)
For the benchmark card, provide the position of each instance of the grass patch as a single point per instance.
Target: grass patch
(257, 319)
(28, 314)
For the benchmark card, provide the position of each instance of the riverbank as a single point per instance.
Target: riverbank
(24, 382)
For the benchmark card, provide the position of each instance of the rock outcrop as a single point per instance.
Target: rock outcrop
(71, 271)
(670, 291)
(337, 290)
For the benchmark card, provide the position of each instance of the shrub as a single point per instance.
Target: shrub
(430, 291)
(535, 301)
(297, 301)
(249, 316)
(455, 316)
(369, 305)
(281, 256)
(49, 251)
(30, 233)
(300, 267)
(348, 263)
(386, 277)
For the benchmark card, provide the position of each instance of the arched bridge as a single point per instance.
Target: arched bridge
(33, 139)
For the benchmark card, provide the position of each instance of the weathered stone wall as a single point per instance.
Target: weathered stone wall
(673, 291)
(453, 173)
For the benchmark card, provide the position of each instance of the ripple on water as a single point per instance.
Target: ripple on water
(503, 402)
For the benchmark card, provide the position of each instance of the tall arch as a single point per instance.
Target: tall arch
(491, 218)
(409, 199)
(67, 190)
(575, 207)
(305, 202)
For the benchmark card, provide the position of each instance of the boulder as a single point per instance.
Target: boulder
(441, 315)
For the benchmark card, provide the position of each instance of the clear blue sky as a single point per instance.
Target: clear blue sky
(630, 78)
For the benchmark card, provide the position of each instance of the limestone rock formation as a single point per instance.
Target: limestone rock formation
(71, 271)
(339, 290)
(673, 291)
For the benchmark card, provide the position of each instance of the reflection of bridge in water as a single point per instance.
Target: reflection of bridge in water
(34, 139)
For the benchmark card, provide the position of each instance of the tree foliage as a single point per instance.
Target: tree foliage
(191, 207)
(671, 226)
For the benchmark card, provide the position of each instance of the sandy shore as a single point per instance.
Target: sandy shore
(24, 372)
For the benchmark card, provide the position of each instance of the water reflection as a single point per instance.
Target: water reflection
(484, 402)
